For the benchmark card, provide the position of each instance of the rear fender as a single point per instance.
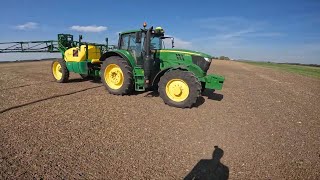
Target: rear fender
(121, 53)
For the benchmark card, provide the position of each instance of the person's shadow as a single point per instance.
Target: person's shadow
(207, 169)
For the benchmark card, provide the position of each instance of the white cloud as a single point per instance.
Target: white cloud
(92, 28)
(26, 26)
(242, 38)
(237, 33)
(267, 34)
(229, 28)
(227, 24)
(178, 43)
(233, 36)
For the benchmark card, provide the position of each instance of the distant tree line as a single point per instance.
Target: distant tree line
(299, 64)
(222, 58)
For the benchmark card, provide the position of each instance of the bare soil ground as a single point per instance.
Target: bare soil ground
(266, 122)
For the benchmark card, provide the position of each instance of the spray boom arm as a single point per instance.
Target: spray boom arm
(64, 42)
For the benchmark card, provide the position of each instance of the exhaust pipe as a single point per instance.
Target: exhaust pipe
(148, 63)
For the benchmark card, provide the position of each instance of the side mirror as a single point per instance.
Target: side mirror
(172, 42)
(138, 37)
(80, 38)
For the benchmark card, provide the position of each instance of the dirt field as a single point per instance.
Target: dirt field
(266, 124)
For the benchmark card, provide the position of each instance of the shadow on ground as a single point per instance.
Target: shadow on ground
(76, 80)
(210, 168)
(210, 94)
(152, 94)
(93, 80)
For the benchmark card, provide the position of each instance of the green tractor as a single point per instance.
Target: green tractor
(138, 63)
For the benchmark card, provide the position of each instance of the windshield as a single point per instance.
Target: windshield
(156, 43)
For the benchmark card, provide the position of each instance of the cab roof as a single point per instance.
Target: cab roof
(135, 30)
(130, 31)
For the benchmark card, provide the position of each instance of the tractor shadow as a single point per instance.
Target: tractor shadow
(98, 81)
(210, 168)
(210, 94)
(76, 80)
(152, 94)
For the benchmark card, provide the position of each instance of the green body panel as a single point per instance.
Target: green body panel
(185, 51)
(176, 58)
(78, 67)
(94, 73)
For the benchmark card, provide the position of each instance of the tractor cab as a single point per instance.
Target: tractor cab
(144, 46)
(138, 44)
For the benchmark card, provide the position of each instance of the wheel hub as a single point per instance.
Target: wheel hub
(177, 90)
(114, 76)
(57, 70)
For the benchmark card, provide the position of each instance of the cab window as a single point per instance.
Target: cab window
(156, 43)
(128, 41)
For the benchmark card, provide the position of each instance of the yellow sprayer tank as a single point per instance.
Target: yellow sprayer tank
(76, 55)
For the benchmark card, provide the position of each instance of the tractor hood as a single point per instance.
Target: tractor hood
(185, 51)
(198, 58)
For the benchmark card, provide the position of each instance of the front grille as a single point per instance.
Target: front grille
(199, 61)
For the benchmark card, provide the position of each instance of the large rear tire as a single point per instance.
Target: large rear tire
(60, 71)
(116, 75)
(179, 88)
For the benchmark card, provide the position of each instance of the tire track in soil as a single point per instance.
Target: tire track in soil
(267, 130)
(26, 85)
(48, 98)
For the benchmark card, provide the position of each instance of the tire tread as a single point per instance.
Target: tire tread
(127, 87)
(190, 79)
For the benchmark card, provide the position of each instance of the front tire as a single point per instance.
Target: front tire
(179, 88)
(116, 75)
(60, 71)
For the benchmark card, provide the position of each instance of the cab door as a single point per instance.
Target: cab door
(128, 42)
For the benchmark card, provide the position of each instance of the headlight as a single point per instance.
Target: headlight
(208, 59)
(202, 62)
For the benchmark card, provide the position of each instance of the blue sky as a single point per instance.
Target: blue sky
(270, 30)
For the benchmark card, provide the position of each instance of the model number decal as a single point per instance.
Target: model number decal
(180, 57)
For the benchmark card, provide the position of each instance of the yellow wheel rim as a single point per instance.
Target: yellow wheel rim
(113, 76)
(177, 90)
(56, 70)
